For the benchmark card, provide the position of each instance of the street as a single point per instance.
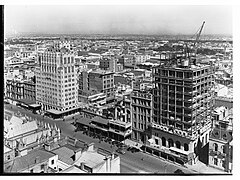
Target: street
(138, 162)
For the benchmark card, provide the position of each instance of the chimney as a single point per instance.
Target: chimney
(47, 147)
(108, 159)
(82, 165)
(77, 154)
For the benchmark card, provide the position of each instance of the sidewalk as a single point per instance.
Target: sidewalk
(201, 168)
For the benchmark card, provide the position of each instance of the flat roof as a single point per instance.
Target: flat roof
(92, 159)
(100, 120)
(35, 105)
(84, 121)
(54, 111)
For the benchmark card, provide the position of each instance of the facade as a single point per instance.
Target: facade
(56, 83)
(220, 146)
(182, 107)
(108, 64)
(141, 58)
(29, 90)
(141, 114)
(102, 81)
(14, 89)
(127, 60)
(91, 83)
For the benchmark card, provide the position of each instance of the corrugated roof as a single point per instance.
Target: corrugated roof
(22, 129)
(28, 161)
(64, 154)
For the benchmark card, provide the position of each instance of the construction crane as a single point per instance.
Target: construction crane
(199, 34)
(186, 48)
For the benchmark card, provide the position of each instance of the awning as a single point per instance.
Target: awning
(26, 101)
(179, 151)
(54, 111)
(133, 143)
(35, 106)
(100, 120)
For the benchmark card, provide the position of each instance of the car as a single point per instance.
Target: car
(120, 151)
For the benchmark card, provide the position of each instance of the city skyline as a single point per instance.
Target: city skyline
(121, 19)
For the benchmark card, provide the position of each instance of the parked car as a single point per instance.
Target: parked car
(120, 151)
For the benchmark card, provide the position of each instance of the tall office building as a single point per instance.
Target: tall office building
(182, 107)
(56, 82)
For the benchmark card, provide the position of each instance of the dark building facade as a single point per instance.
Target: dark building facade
(182, 108)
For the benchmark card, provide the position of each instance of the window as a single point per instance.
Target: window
(8, 157)
(163, 141)
(178, 144)
(215, 161)
(185, 147)
(215, 147)
(42, 166)
(170, 143)
(31, 171)
(52, 162)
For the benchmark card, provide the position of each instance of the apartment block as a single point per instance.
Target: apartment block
(141, 101)
(95, 82)
(56, 82)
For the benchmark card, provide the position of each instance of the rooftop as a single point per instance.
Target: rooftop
(100, 120)
(21, 129)
(73, 169)
(91, 159)
(65, 154)
(100, 71)
(21, 163)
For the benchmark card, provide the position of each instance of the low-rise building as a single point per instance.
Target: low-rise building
(220, 144)
(37, 161)
(23, 134)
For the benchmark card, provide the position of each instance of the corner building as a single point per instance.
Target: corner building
(56, 83)
(182, 107)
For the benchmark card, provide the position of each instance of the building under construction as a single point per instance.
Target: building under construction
(182, 107)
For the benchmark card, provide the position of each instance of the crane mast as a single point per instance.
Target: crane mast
(199, 34)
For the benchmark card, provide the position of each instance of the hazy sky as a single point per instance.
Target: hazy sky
(129, 19)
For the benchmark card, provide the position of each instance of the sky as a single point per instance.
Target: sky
(118, 19)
